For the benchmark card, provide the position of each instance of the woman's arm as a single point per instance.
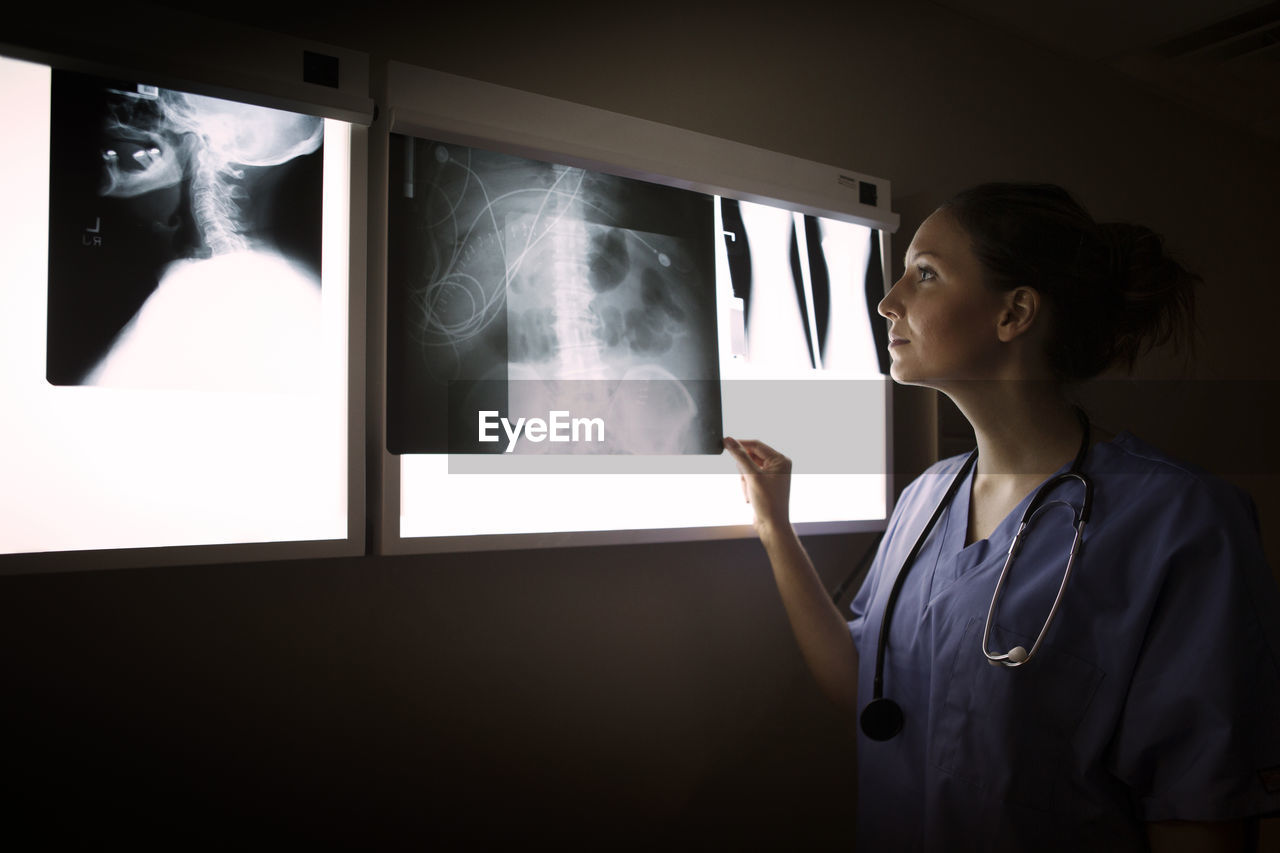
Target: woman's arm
(820, 630)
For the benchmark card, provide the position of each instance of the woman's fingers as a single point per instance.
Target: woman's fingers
(766, 481)
(764, 459)
(757, 461)
(756, 447)
(740, 455)
(745, 464)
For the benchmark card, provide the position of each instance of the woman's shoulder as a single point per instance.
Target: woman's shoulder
(1143, 457)
(1133, 455)
(1171, 481)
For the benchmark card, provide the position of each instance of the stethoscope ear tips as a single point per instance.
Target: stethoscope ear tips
(1017, 654)
(881, 719)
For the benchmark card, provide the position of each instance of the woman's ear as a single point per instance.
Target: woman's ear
(1021, 307)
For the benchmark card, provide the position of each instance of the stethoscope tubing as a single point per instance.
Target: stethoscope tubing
(1018, 655)
(882, 718)
(882, 641)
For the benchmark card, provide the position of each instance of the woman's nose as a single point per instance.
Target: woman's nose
(888, 307)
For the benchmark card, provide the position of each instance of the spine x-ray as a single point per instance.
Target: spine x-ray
(522, 287)
(184, 240)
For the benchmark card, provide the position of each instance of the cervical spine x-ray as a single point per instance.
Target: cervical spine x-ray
(185, 239)
(524, 287)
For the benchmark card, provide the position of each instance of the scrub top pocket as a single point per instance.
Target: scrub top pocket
(1009, 730)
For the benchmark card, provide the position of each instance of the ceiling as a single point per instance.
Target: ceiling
(1220, 57)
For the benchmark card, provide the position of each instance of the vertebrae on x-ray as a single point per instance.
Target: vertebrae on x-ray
(163, 136)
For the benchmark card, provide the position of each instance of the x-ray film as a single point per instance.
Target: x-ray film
(532, 294)
(184, 240)
(805, 290)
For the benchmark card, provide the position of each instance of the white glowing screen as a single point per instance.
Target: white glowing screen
(174, 371)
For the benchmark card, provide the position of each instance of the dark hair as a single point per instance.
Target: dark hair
(1113, 292)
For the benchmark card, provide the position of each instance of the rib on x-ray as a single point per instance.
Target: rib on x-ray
(185, 238)
(524, 287)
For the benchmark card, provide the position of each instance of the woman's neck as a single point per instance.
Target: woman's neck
(1023, 428)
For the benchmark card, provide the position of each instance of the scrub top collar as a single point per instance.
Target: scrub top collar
(956, 521)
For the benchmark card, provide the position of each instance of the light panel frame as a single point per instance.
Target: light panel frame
(430, 104)
(270, 79)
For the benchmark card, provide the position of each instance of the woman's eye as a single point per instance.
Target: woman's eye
(926, 273)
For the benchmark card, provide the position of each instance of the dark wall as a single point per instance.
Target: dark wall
(646, 693)
(643, 693)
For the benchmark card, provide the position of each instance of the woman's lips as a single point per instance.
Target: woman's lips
(897, 342)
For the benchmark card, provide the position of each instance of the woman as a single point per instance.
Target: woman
(1150, 715)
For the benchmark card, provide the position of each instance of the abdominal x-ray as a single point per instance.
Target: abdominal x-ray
(523, 288)
(184, 240)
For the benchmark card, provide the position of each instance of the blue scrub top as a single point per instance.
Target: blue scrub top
(1156, 694)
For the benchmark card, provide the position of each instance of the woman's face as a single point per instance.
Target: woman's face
(942, 317)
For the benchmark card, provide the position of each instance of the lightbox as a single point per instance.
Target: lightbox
(541, 262)
(181, 279)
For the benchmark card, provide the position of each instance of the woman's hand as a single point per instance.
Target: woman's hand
(766, 483)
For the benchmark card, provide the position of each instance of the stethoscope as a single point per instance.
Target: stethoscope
(882, 718)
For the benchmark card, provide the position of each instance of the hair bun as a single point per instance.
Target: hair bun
(1153, 291)
(1134, 250)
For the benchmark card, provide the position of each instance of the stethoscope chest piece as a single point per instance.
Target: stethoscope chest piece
(881, 719)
